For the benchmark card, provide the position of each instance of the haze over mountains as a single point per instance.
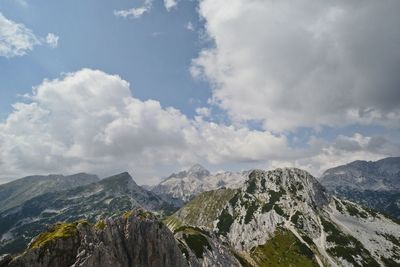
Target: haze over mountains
(252, 218)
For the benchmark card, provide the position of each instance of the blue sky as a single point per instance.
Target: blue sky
(156, 45)
(258, 84)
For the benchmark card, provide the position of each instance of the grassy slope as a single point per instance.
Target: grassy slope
(202, 210)
(284, 249)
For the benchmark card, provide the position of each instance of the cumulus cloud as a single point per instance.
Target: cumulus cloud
(15, 39)
(135, 13)
(89, 121)
(305, 63)
(169, 4)
(18, 40)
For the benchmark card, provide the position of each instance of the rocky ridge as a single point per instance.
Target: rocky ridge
(373, 184)
(136, 238)
(15, 193)
(183, 186)
(289, 206)
(108, 197)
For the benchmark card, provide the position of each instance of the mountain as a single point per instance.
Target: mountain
(283, 217)
(381, 175)
(91, 202)
(16, 192)
(374, 184)
(136, 238)
(184, 185)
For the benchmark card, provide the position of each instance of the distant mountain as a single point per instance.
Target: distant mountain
(381, 175)
(374, 184)
(16, 192)
(283, 217)
(91, 202)
(136, 238)
(184, 185)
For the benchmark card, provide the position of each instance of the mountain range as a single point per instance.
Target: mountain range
(375, 184)
(285, 217)
(91, 202)
(282, 217)
(16, 192)
(183, 186)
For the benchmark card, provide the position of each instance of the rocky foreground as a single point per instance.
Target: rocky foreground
(136, 238)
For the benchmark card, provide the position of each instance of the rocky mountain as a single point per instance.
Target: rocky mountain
(17, 192)
(184, 185)
(136, 238)
(91, 202)
(374, 184)
(283, 217)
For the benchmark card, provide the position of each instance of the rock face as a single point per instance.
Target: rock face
(284, 217)
(105, 198)
(374, 184)
(17, 192)
(183, 186)
(381, 175)
(135, 239)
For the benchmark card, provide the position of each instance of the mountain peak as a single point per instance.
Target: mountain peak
(295, 182)
(123, 179)
(198, 170)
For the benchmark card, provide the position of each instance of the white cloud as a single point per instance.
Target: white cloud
(18, 40)
(305, 63)
(15, 39)
(90, 121)
(189, 26)
(323, 155)
(203, 111)
(52, 40)
(169, 4)
(135, 12)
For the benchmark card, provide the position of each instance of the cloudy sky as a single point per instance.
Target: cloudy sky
(153, 86)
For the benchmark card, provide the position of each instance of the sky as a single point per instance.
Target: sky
(152, 86)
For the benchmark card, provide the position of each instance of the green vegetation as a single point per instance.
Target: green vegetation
(391, 238)
(100, 225)
(389, 262)
(346, 246)
(241, 259)
(296, 220)
(354, 211)
(60, 230)
(273, 198)
(203, 210)
(140, 213)
(225, 222)
(250, 211)
(251, 187)
(338, 205)
(280, 211)
(284, 249)
(197, 243)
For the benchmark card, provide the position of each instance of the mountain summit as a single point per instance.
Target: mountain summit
(196, 171)
(284, 217)
(381, 175)
(182, 186)
(375, 184)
